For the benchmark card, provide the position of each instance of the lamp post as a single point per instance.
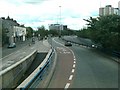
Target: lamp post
(60, 21)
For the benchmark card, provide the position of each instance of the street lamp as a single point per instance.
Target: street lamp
(60, 21)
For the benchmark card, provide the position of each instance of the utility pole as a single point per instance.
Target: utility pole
(60, 22)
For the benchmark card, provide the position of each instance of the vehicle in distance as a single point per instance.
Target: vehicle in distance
(68, 44)
(12, 45)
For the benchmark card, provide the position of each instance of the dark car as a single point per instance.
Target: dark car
(12, 45)
(68, 44)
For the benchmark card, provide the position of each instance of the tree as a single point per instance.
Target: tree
(29, 31)
(104, 30)
(42, 31)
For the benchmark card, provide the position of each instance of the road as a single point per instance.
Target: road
(90, 69)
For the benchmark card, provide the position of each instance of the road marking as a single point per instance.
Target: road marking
(73, 70)
(74, 59)
(21, 57)
(74, 62)
(73, 65)
(66, 52)
(67, 85)
(24, 52)
(17, 51)
(32, 47)
(71, 76)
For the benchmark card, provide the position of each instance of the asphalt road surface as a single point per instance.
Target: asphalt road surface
(82, 67)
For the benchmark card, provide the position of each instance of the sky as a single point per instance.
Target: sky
(35, 13)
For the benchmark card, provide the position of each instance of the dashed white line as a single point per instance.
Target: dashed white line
(17, 51)
(67, 85)
(21, 57)
(74, 59)
(71, 76)
(73, 70)
(73, 65)
(32, 48)
(74, 62)
(24, 52)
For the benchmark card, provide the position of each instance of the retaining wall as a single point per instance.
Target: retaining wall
(10, 77)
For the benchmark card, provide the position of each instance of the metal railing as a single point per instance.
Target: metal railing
(37, 73)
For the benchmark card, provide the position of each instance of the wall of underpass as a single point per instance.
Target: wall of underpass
(12, 75)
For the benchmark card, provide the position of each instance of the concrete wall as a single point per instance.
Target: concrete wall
(12, 75)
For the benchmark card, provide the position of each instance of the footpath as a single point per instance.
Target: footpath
(13, 57)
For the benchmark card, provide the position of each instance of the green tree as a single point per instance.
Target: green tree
(42, 31)
(105, 30)
(29, 31)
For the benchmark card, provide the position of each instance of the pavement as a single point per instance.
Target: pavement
(22, 52)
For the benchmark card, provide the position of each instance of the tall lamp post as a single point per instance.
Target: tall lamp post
(60, 21)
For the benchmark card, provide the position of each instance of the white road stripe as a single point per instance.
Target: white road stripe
(17, 51)
(32, 47)
(67, 85)
(73, 65)
(71, 76)
(24, 52)
(21, 57)
(74, 59)
(73, 70)
(74, 62)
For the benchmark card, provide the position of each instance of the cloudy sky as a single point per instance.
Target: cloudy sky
(35, 13)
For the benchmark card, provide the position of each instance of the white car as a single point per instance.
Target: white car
(12, 45)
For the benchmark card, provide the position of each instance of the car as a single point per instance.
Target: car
(68, 44)
(12, 45)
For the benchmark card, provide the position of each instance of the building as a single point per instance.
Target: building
(57, 27)
(116, 11)
(101, 11)
(108, 10)
(54, 27)
(119, 5)
(19, 33)
(10, 29)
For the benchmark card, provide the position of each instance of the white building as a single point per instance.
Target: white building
(19, 32)
(108, 10)
(116, 11)
(119, 5)
(55, 27)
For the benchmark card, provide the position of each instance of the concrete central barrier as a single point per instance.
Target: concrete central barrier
(10, 77)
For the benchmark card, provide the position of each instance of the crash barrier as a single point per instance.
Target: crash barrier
(37, 72)
(11, 76)
(78, 43)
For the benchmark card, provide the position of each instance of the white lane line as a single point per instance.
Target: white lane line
(73, 65)
(21, 57)
(32, 47)
(24, 52)
(74, 62)
(74, 59)
(17, 51)
(67, 85)
(71, 76)
(73, 70)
